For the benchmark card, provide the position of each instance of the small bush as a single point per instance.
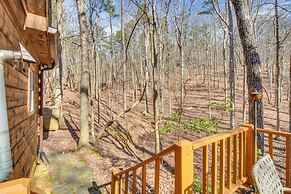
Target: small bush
(167, 128)
(196, 125)
(202, 125)
(198, 186)
(259, 153)
(225, 106)
(175, 118)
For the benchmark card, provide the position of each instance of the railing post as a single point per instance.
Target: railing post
(184, 170)
(288, 161)
(114, 182)
(251, 152)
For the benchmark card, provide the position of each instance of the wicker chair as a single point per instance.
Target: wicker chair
(266, 177)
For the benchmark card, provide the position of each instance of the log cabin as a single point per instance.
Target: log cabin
(27, 48)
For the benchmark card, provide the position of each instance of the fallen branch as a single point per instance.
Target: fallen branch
(120, 114)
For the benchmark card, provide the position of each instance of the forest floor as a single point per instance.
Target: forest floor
(131, 140)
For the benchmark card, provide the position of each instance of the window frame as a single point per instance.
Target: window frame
(31, 90)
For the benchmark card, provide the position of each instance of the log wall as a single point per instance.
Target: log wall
(23, 124)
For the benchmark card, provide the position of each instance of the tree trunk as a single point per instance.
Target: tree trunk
(224, 66)
(277, 64)
(155, 79)
(208, 64)
(84, 90)
(123, 58)
(216, 72)
(146, 69)
(244, 94)
(93, 75)
(290, 94)
(112, 66)
(231, 65)
(252, 60)
(58, 69)
(182, 78)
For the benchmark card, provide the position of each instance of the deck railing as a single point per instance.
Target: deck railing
(285, 139)
(225, 162)
(227, 152)
(120, 178)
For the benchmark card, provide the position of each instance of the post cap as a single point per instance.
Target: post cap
(256, 96)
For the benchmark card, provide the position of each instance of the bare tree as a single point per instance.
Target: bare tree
(290, 93)
(155, 78)
(123, 57)
(252, 59)
(277, 65)
(181, 24)
(58, 69)
(84, 90)
(231, 64)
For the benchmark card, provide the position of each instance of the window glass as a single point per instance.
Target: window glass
(31, 91)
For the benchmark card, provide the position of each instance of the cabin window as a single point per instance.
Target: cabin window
(31, 91)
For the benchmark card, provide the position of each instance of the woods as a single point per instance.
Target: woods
(145, 96)
(158, 51)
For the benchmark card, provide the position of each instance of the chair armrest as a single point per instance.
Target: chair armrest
(287, 189)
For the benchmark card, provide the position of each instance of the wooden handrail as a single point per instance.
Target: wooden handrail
(215, 138)
(183, 151)
(276, 133)
(163, 153)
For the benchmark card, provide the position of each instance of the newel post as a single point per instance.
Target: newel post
(114, 182)
(184, 170)
(250, 152)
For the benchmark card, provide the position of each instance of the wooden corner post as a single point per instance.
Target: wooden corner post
(114, 182)
(184, 170)
(251, 152)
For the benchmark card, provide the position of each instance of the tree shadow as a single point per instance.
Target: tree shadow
(118, 136)
(72, 130)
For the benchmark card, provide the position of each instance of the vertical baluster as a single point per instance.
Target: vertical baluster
(120, 184)
(244, 154)
(287, 162)
(214, 168)
(228, 167)
(134, 190)
(205, 169)
(271, 144)
(235, 159)
(222, 168)
(126, 184)
(241, 156)
(144, 181)
(157, 175)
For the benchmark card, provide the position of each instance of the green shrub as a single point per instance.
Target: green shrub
(202, 125)
(259, 153)
(167, 128)
(198, 186)
(225, 106)
(194, 125)
(175, 118)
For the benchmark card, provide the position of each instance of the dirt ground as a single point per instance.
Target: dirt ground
(121, 153)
